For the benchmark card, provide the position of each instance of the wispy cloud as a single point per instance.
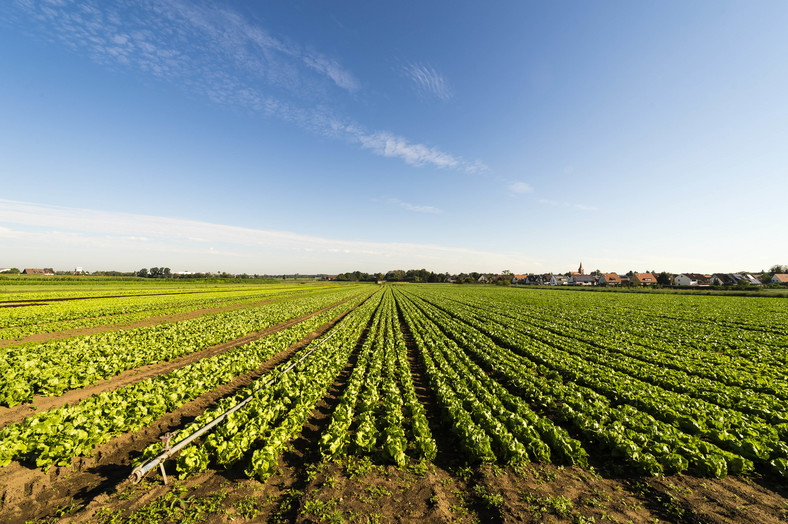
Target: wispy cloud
(217, 53)
(427, 81)
(521, 188)
(559, 203)
(386, 144)
(333, 70)
(105, 237)
(418, 209)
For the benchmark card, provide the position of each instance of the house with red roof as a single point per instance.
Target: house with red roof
(609, 279)
(519, 279)
(643, 279)
(780, 278)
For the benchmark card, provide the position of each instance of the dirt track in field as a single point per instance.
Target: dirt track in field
(28, 493)
(131, 376)
(150, 321)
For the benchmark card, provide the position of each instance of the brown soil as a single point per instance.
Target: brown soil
(24, 305)
(29, 493)
(358, 490)
(150, 321)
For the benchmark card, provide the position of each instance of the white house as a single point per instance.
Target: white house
(780, 278)
(581, 280)
(691, 279)
(559, 280)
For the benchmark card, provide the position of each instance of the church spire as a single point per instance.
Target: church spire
(581, 269)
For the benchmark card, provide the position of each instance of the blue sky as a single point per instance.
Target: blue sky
(284, 137)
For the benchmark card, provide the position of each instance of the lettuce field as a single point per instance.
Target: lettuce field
(389, 403)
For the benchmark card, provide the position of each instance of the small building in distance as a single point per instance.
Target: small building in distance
(538, 280)
(732, 279)
(780, 278)
(691, 279)
(37, 271)
(643, 279)
(580, 271)
(581, 280)
(519, 279)
(609, 279)
(722, 279)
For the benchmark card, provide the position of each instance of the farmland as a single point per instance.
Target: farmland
(395, 402)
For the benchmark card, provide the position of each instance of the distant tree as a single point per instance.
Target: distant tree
(663, 279)
(356, 276)
(396, 275)
(143, 272)
(12, 271)
(165, 272)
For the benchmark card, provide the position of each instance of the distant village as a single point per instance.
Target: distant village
(597, 278)
(776, 276)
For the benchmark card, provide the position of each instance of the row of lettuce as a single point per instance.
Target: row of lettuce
(668, 417)
(24, 319)
(55, 437)
(378, 413)
(506, 391)
(513, 375)
(54, 367)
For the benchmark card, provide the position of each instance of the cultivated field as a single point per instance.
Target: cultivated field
(364, 403)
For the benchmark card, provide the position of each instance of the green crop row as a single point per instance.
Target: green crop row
(55, 436)
(258, 432)
(657, 420)
(49, 317)
(57, 366)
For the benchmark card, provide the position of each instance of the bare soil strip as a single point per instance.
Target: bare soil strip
(150, 321)
(448, 453)
(29, 493)
(131, 376)
(36, 303)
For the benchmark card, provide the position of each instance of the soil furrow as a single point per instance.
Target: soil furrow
(440, 432)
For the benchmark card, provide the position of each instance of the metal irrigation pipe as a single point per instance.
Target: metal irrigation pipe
(140, 471)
